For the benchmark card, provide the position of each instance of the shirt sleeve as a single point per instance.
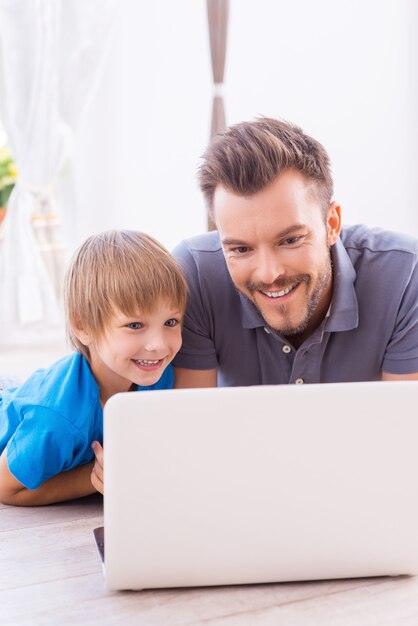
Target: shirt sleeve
(43, 445)
(198, 349)
(401, 355)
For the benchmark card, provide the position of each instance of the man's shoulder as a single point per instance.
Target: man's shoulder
(362, 238)
(205, 242)
(202, 255)
(203, 262)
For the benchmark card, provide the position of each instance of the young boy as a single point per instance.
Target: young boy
(125, 298)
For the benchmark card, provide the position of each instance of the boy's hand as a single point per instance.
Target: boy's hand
(97, 471)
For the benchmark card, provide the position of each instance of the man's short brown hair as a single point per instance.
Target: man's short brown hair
(248, 156)
(119, 271)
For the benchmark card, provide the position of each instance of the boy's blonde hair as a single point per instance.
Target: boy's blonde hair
(119, 270)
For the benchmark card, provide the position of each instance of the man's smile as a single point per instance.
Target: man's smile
(280, 289)
(278, 294)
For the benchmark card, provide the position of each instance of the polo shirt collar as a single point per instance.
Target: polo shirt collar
(251, 318)
(343, 314)
(344, 305)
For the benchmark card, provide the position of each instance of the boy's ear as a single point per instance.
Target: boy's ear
(82, 335)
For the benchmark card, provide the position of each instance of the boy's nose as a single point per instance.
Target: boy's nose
(154, 343)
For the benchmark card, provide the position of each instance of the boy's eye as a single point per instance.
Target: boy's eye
(134, 325)
(171, 322)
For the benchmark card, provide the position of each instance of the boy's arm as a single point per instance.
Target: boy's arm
(74, 483)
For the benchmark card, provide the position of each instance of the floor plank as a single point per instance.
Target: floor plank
(51, 573)
(84, 599)
(390, 602)
(12, 518)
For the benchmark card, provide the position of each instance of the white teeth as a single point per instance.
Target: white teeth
(278, 294)
(145, 362)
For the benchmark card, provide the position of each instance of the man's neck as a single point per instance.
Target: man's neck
(299, 338)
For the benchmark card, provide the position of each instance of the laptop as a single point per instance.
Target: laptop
(260, 484)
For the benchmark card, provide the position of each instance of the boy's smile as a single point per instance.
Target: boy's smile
(147, 365)
(135, 349)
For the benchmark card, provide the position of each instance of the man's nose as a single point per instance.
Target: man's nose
(269, 267)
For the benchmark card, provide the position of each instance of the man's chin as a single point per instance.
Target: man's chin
(276, 323)
(287, 330)
(283, 327)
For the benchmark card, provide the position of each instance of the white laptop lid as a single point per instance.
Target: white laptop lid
(260, 484)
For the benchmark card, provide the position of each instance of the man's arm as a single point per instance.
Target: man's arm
(75, 483)
(197, 361)
(187, 378)
(387, 376)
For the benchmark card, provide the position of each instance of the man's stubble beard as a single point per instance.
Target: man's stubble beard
(322, 282)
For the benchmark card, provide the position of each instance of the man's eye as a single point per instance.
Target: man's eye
(239, 250)
(134, 325)
(171, 322)
(292, 240)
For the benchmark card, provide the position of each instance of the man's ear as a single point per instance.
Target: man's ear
(333, 223)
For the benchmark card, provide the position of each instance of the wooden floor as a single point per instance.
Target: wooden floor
(50, 573)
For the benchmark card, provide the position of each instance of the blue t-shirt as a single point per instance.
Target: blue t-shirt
(49, 423)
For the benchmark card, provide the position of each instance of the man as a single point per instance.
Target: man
(281, 293)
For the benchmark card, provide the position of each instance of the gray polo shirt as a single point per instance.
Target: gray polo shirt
(372, 324)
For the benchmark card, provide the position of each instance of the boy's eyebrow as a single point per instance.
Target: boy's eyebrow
(287, 231)
(137, 316)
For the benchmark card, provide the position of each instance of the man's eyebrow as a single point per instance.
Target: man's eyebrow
(291, 229)
(233, 242)
(284, 233)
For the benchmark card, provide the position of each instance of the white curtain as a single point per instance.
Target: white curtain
(218, 11)
(51, 56)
